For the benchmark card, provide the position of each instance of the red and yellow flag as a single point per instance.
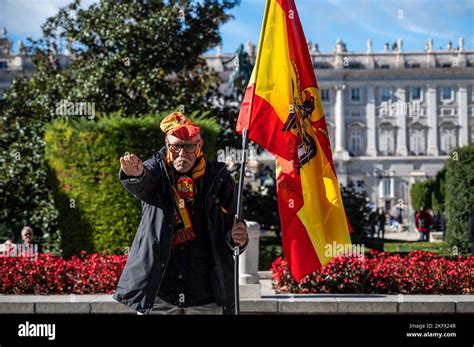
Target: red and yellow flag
(282, 112)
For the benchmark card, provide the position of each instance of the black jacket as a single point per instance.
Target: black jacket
(470, 228)
(141, 278)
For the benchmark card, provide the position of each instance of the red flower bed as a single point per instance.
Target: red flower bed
(87, 274)
(382, 273)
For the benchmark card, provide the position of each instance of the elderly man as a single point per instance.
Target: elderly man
(181, 258)
(27, 235)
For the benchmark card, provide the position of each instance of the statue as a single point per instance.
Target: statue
(21, 48)
(240, 75)
(429, 44)
(400, 45)
(250, 49)
(369, 46)
(315, 48)
(461, 44)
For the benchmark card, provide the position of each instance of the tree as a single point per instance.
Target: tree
(24, 195)
(355, 200)
(262, 206)
(136, 56)
(459, 200)
(438, 194)
(421, 194)
(139, 57)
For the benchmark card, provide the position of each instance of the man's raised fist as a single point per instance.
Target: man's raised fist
(131, 165)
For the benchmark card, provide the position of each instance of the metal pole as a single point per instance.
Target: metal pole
(244, 159)
(239, 218)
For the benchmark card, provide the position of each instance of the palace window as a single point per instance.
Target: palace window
(448, 139)
(387, 141)
(355, 94)
(415, 93)
(325, 94)
(356, 142)
(447, 93)
(417, 141)
(387, 187)
(385, 94)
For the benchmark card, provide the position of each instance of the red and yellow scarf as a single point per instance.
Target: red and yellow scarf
(185, 189)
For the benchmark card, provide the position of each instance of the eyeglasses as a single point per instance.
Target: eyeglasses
(188, 147)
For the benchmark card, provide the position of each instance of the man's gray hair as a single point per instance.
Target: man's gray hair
(25, 229)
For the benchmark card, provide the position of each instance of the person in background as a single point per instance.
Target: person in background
(381, 223)
(27, 236)
(399, 215)
(372, 222)
(423, 222)
(470, 230)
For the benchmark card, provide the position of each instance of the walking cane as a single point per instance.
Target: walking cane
(239, 218)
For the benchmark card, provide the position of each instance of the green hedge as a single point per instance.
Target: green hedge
(459, 200)
(421, 194)
(96, 214)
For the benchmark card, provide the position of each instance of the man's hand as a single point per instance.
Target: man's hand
(239, 233)
(131, 165)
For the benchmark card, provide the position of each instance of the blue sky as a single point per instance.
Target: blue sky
(324, 21)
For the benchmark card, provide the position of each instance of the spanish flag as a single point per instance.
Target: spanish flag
(282, 112)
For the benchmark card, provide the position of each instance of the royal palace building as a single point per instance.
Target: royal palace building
(393, 116)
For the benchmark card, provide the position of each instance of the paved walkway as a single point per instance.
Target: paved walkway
(402, 235)
(268, 304)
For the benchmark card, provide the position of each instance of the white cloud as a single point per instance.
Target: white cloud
(25, 17)
(427, 18)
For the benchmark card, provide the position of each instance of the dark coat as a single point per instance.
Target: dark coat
(141, 278)
(470, 228)
(428, 221)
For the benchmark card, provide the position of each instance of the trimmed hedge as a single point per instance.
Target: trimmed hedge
(96, 214)
(459, 201)
(421, 194)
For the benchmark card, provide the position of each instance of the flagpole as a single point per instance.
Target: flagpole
(244, 159)
(239, 218)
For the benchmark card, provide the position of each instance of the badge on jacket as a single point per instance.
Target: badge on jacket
(185, 188)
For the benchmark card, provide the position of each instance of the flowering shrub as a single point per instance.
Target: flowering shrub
(382, 273)
(86, 274)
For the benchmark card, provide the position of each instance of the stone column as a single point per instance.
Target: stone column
(381, 188)
(463, 118)
(339, 119)
(371, 122)
(249, 284)
(402, 122)
(432, 121)
(392, 187)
